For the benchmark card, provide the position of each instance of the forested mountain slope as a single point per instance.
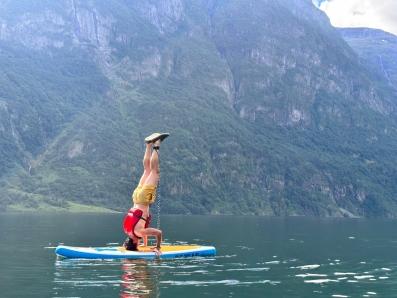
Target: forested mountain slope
(270, 111)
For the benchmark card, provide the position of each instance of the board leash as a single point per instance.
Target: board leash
(158, 203)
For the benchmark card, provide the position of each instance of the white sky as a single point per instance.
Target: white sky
(380, 14)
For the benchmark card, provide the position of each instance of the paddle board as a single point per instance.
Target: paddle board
(144, 252)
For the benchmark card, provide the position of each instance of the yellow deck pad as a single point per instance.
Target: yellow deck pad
(164, 248)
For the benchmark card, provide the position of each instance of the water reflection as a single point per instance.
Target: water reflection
(139, 280)
(128, 278)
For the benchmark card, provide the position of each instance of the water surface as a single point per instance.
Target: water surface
(257, 257)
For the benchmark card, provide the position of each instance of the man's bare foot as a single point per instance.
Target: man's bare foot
(157, 251)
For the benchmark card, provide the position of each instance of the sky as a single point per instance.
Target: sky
(380, 14)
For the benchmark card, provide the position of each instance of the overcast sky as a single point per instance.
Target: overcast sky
(380, 14)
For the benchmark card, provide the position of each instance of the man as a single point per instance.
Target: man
(136, 223)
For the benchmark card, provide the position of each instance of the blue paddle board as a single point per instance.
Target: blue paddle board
(144, 252)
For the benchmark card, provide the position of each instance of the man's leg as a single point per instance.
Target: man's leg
(154, 175)
(146, 164)
(156, 233)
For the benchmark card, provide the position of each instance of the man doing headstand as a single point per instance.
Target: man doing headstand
(136, 223)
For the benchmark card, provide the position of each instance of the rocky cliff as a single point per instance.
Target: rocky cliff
(377, 49)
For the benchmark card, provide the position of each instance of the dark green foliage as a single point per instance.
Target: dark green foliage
(39, 94)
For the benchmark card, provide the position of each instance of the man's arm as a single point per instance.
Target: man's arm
(153, 232)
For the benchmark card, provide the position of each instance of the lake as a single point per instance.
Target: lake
(256, 257)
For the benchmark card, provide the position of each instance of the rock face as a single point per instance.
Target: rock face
(287, 55)
(165, 15)
(377, 49)
(271, 111)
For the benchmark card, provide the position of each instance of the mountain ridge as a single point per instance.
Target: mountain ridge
(254, 96)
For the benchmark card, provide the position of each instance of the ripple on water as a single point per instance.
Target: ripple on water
(307, 267)
(383, 277)
(363, 277)
(244, 247)
(92, 283)
(249, 269)
(320, 281)
(273, 262)
(311, 275)
(344, 273)
(226, 256)
(227, 282)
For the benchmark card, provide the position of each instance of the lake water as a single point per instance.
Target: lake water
(257, 257)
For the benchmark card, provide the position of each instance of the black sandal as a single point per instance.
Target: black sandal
(155, 137)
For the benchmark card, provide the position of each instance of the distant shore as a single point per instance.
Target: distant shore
(71, 208)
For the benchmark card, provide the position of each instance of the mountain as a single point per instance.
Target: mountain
(270, 111)
(377, 48)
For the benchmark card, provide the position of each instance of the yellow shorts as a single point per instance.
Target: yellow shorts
(145, 195)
